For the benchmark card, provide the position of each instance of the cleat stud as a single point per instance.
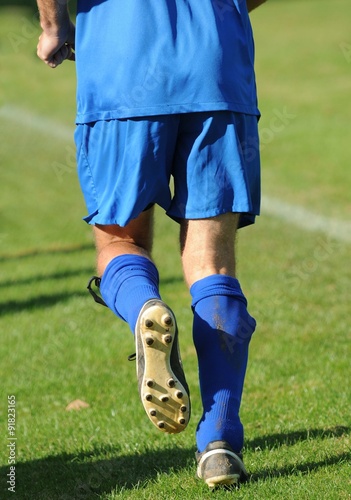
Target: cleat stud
(149, 323)
(179, 394)
(148, 397)
(161, 424)
(181, 421)
(171, 382)
(150, 382)
(164, 399)
(167, 320)
(153, 413)
(149, 340)
(168, 339)
(183, 408)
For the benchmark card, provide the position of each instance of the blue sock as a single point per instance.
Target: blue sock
(222, 331)
(127, 283)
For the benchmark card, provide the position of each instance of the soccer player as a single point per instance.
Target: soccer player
(166, 88)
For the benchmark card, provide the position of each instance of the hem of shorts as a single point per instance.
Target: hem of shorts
(96, 218)
(246, 218)
(123, 112)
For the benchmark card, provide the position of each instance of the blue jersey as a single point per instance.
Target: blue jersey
(155, 57)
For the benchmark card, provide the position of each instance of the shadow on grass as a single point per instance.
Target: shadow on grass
(296, 469)
(37, 302)
(42, 301)
(69, 476)
(275, 441)
(74, 477)
(56, 275)
(65, 250)
(290, 438)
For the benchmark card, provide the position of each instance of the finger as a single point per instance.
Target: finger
(65, 52)
(57, 58)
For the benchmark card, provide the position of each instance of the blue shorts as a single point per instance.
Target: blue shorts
(126, 165)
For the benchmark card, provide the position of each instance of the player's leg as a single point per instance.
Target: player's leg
(129, 286)
(222, 330)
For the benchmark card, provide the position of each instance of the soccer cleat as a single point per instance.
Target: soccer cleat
(162, 386)
(218, 465)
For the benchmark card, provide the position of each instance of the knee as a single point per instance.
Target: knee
(112, 241)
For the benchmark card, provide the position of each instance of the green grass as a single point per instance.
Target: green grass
(57, 345)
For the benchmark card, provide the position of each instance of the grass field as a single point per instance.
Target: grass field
(58, 346)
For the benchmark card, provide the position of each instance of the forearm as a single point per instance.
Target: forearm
(252, 4)
(53, 14)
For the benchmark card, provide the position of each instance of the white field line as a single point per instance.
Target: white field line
(305, 219)
(291, 213)
(41, 124)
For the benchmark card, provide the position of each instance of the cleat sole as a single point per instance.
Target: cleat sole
(162, 386)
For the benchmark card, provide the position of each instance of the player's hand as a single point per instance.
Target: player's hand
(55, 47)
